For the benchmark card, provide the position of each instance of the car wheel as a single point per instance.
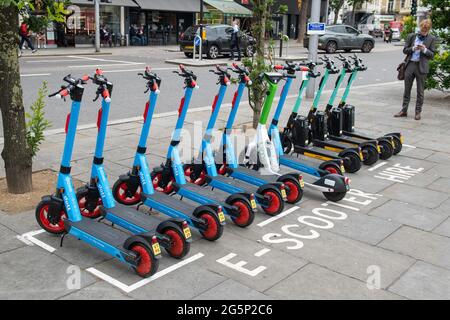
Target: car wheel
(331, 47)
(213, 52)
(367, 47)
(188, 54)
(248, 51)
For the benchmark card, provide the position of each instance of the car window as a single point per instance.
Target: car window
(351, 30)
(211, 31)
(338, 29)
(229, 30)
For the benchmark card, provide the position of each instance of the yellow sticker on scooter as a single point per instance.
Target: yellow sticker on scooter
(283, 193)
(361, 156)
(343, 169)
(332, 149)
(253, 203)
(187, 233)
(221, 216)
(378, 148)
(302, 183)
(156, 248)
(401, 139)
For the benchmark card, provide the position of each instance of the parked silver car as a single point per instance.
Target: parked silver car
(342, 37)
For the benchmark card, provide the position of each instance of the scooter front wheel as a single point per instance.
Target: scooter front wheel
(370, 155)
(275, 203)
(85, 208)
(246, 215)
(147, 265)
(331, 168)
(179, 247)
(214, 229)
(334, 196)
(50, 224)
(124, 196)
(193, 177)
(387, 150)
(398, 145)
(160, 185)
(294, 192)
(352, 162)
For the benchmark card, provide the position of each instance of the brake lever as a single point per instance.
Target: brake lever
(96, 97)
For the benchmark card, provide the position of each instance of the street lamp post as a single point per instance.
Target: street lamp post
(201, 26)
(97, 25)
(313, 44)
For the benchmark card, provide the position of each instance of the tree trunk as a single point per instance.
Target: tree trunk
(336, 15)
(302, 21)
(16, 153)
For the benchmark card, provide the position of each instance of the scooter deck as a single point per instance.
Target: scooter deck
(246, 187)
(170, 202)
(304, 160)
(249, 172)
(99, 231)
(351, 140)
(317, 153)
(214, 196)
(338, 145)
(356, 135)
(134, 217)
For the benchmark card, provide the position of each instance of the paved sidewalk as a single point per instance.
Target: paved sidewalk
(388, 239)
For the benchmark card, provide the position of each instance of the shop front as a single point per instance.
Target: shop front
(79, 28)
(160, 22)
(225, 11)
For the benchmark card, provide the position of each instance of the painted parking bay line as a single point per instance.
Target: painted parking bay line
(377, 166)
(281, 215)
(29, 239)
(35, 75)
(143, 282)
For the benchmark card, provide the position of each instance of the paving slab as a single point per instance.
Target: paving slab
(97, 291)
(351, 257)
(415, 195)
(441, 170)
(422, 180)
(416, 153)
(25, 275)
(20, 222)
(8, 240)
(409, 214)
(314, 282)
(441, 184)
(440, 157)
(421, 245)
(424, 281)
(231, 290)
(443, 229)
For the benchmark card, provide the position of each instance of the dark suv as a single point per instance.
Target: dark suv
(216, 42)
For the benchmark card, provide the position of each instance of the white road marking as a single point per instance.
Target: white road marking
(105, 60)
(239, 266)
(105, 65)
(377, 166)
(29, 239)
(408, 146)
(279, 216)
(339, 205)
(35, 74)
(136, 70)
(143, 282)
(262, 252)
(47, 61)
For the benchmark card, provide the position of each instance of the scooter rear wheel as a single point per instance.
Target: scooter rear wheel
(294, 192)
(191, 176)
(275, 203)
(82, 199)
(352, 162)
(179, 247)
(246, 214)
(398, 145)
(43, 220)
(214, 229)
(160, 185)
(334, 196)
(286, 143)
(370, 155)
(333, 169)
(147, 265)
(387, 150)
(123, 196)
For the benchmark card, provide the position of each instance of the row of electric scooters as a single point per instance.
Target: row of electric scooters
(243, 187)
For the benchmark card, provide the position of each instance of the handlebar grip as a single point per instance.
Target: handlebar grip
(106, 96)
(278, 67)
(86, 77)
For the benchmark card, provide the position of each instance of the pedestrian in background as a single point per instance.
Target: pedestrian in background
(25, 37)
(419, 49)
(235, 41)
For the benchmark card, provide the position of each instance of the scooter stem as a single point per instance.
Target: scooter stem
(299, 100)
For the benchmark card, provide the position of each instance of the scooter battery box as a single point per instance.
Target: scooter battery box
(348, 115)
(319, 126)
(335, 121)
(300, 131)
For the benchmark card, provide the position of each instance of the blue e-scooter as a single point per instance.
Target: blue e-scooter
(136, 186)
(95, 198)
(59, 213)
(237, 205)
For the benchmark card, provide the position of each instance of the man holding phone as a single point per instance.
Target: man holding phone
(419, 49)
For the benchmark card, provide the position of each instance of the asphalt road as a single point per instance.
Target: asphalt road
(128, 94)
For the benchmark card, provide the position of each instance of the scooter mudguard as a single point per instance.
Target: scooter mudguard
(145, 238)
(332, 182)
(133, 181)
(334, 162)
(291, 175)
(175, 223)
(238, 196)
(208, 208)
(355, 151)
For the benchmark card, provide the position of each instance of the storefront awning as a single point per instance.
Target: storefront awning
(171, 5)
(124, 3)
(229, 8)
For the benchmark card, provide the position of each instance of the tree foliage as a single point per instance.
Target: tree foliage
(439, 76)
(336, 6)
(409, 26)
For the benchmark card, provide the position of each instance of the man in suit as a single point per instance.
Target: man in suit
(419, 49)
